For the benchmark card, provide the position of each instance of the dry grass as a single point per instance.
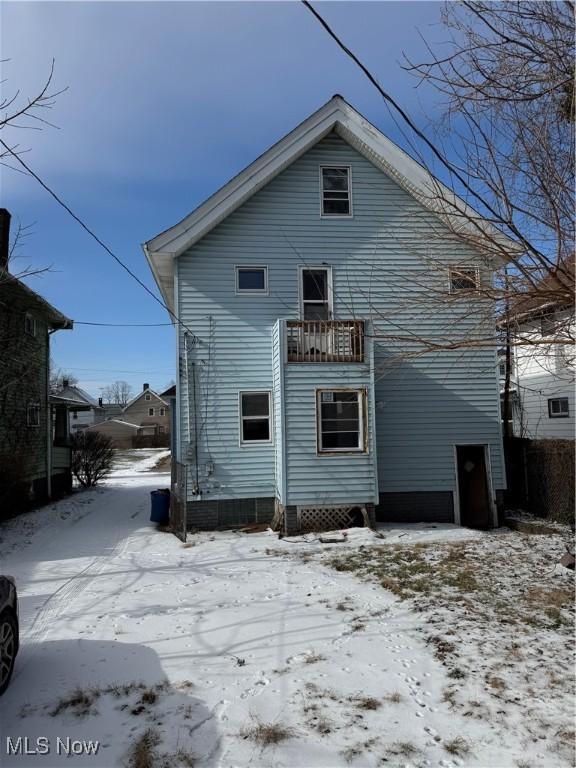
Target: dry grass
(404, 748)
(267, 734)
(79, 703)
(355, 750)
(314, 658)
(457, 747)
(393, 698)
(143, 753)
(366, 702)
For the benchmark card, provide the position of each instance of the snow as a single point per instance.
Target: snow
(229, 630)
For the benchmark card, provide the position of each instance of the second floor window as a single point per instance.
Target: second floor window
(162, 411)
(150, 411)
(336, 199)
(464, 279)
(251, 280)
(33, 415)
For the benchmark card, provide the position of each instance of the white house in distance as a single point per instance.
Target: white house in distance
(542, 376)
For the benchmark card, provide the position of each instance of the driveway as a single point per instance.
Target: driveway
(226, 651)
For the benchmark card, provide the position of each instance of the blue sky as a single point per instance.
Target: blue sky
(165, 102)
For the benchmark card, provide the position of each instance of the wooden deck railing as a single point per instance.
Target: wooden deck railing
(325, 341)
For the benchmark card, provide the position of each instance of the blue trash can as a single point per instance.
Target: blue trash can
(160, 509)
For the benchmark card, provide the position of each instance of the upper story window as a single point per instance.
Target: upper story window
(335, 190)
(340, 417)
(150, 411)
(147, 397)
(464, 279)
(315, 293)
(33, 415)
(255, 418)
(162, 411)
(252, 280)
(558, 408)
(30, 324)
(548, 324)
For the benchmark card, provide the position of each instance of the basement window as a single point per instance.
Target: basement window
(558, 408)
(251, 280)
(255, 420)
(33, 415)
(464, 279)
(335, 187)
(340, 415)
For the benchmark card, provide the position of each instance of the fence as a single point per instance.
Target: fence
(178, 499)
(541, 477)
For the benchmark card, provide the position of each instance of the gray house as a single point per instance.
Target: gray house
(297, 396)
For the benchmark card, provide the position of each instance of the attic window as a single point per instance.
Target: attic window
(147, 397)
(251, 280)
(335, 184)
(464, 279)
(30, 324)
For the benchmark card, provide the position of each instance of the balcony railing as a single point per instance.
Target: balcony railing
(325, 341)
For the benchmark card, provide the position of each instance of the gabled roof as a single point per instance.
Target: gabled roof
(140, 394)
(101, 424)
(336, 115)
(75, 394)
(54, 318)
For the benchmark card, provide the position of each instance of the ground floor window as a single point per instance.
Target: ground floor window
(558, 407)
(341, 420)
(255, 421)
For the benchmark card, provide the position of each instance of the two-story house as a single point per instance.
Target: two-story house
(144, 421)
(85, 410)
(34, 444)
(294, 397)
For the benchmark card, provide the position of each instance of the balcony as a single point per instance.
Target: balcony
(325, 341)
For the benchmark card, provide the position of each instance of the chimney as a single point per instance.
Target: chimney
(4, 239)
(99, 402)
(65, 383)
(145, 387)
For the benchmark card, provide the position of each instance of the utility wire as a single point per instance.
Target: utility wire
(122, 325)
(95, 236)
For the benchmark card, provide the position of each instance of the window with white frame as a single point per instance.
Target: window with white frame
(255, 418)
(162, 411)
(315, 291)
(558, 408)
(150, 411)
(340, 415)
(33, 415)
(161, 430)
(252, 280)
(464, 279)
(30, 324)
(335, 189)
(147, 397)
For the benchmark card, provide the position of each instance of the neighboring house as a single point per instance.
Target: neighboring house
(34, 444)
(284, 403)
(542, 375)
(169, 395)
(143, 422)
(84, 409)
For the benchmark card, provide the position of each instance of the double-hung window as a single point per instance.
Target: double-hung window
(251, 280)
(30, 324)
(316, 299)
(33, 415)
(558, 408)
(340, 415)
(255, 418)
(150, 411)
(335, 190)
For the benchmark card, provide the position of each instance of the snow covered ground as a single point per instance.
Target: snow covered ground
(241, 649)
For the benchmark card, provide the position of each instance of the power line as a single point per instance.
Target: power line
(95, 236)
(123, 325)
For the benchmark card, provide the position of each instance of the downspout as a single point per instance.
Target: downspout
(48, 420)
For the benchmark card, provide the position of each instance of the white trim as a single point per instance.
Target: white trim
(35, 404)
(178, 437)
(312, 267)
(351, 126)
(140, 394)
(363, 436)
(251, 291)
(30, 317)
(255, 443)
(456, 492)
(321, 191)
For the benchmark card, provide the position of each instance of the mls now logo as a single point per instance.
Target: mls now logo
(23, 745)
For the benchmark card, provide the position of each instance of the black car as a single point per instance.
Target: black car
(9, 636)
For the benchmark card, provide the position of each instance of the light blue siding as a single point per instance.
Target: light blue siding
(381, 269)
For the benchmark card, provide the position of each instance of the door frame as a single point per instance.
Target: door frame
(328, 270)
(456, 492)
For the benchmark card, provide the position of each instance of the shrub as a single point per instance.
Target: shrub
(92, 457)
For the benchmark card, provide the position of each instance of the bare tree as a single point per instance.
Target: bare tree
(92, 457)
(58, 376)
(120, 393)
